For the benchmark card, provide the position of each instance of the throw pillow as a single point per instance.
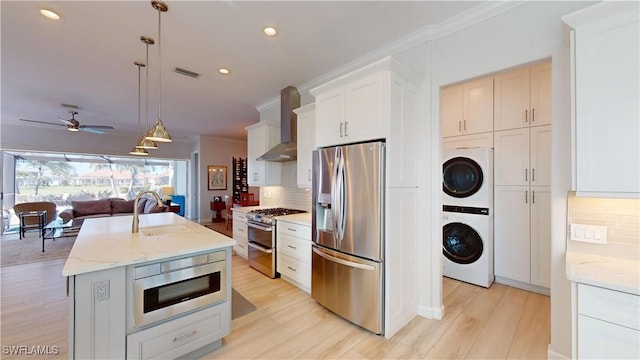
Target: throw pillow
(151, 206)
(91, 207)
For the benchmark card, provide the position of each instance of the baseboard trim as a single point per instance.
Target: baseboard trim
(431, 312)
(522, 285)
(555, 355)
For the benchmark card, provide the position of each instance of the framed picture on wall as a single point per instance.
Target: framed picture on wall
(217, 177)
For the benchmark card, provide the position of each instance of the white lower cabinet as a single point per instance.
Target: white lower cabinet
(293, 251)
(99, 328)
(182, 336)
(522, 234)
(608, 323)
(240, 233)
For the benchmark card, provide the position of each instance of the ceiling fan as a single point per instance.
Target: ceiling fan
(74, 125)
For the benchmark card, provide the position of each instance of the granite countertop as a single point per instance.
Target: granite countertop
(107, 242)
(302, 218)
(604, 271)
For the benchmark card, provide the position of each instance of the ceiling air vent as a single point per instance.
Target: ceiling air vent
(186, 72)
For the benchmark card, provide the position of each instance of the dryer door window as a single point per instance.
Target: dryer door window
(461, 177)
(461, 243)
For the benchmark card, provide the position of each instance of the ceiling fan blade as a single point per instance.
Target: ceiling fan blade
(67, 122)
(91, 130)
(103, 127)
(43, 122)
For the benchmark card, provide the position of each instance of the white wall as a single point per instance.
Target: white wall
(524, 34)
(216, 151)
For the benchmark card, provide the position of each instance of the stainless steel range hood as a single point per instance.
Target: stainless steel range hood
(287, 150)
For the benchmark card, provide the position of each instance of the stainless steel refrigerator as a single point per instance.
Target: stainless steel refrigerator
(348, 232)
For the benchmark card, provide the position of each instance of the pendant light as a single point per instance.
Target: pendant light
(136, 150)
(159, 133)
(145, 143)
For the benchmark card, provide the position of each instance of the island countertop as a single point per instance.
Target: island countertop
(107, 242)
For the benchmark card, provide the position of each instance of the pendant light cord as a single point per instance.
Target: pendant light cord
(159, 61)
(139, 127)
(146, 93)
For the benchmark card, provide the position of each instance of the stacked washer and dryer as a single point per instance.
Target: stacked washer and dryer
(467, 215)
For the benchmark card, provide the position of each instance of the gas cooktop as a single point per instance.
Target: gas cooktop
(267, 215)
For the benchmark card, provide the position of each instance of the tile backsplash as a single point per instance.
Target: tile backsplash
(288, 194)
(620, 216)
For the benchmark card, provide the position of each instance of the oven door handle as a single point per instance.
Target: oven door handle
(259, 227)
(260, 248)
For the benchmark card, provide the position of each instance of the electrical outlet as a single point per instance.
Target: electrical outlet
(589, 233)
(101, 290)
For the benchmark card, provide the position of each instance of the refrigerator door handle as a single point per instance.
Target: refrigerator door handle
(334, 194)
(343, 262)
(341, 197)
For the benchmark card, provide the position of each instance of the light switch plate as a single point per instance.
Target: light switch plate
(589, 233)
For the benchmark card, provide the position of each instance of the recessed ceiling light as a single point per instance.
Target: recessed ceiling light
(224, 71)
(270, 31)
(50, 14)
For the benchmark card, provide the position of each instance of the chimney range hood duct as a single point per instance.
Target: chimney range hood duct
(287, 150)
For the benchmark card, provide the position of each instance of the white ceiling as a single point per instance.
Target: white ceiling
(86, 58)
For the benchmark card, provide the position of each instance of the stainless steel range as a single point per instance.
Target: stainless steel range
(262, 238)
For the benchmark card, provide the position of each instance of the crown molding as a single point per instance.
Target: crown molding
(470, 17)
(473, 16)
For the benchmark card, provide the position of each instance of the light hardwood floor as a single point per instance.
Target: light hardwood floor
(498, 323)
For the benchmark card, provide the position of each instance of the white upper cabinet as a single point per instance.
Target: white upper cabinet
(605, 59)
(356, 107)
(330, 117)
(261, 137)
(467, 108)
(306, 143)
(523, 97)
(351, 113)
(523, 156)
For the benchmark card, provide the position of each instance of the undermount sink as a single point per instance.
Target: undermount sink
(163, 229)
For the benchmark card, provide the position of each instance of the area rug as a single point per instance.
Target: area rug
(239, 305)
(14, 251)
(219, 227)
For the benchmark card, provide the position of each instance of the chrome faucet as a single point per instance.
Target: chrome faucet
(136, 221)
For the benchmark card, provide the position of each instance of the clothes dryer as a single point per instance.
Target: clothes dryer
(467, 244)
(467, 177)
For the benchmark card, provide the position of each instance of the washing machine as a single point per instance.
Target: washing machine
(467, 177)
(467, 244)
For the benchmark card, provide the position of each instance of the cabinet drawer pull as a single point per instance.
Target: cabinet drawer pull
(465, 125)
(345, 128)
(459, 126)
(533, 196)
(185, 336)
(291, 246)
(526, 116)
(526, 174)
(533, 175)
(526, 197)
(309, 174)
(290, 268)
(533, 115)
(341, 124)
(291, 229)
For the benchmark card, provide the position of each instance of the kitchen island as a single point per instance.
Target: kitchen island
(114, 312)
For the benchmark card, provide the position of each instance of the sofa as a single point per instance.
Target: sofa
(109, 207)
